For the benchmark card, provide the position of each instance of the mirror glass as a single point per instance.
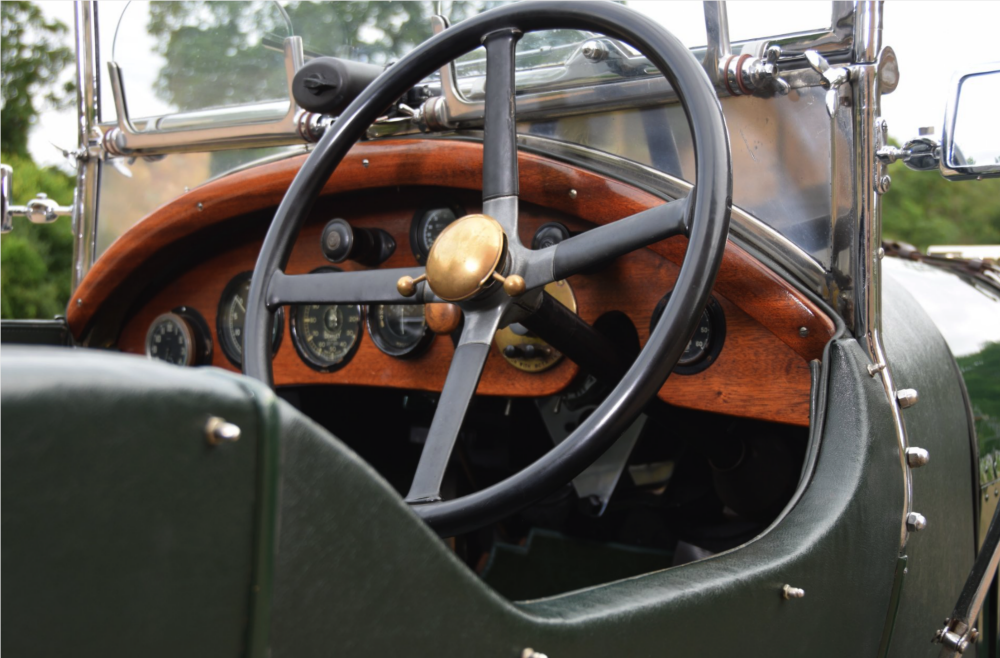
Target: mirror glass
(976, 131)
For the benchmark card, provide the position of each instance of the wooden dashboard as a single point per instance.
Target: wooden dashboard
(185, 253)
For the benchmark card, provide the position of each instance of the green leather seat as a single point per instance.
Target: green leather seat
(123, 528)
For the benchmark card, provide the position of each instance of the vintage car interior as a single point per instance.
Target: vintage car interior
(469, 326)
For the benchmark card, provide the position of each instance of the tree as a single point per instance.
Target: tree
(35, 279)
(923, 208)
(32, 60)
(37, 258)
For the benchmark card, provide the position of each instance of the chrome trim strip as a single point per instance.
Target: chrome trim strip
(88, 167)
(866, 95)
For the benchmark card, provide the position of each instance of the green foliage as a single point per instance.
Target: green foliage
(224, 53)
(924, 209)
(32, 60)
(981, 372)
(36, 258)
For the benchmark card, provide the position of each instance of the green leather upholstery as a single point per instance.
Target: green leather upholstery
(124, 531)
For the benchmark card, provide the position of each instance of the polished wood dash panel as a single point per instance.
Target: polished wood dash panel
(762, 371)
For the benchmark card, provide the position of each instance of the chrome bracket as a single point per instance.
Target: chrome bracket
(956, 636)
(881, 174)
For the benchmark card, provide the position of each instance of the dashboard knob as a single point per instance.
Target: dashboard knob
(340, 241)
(443, 318)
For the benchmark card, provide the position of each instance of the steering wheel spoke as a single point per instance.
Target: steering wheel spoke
(500, 185)
(459, 387)
(362, 287)
(605, 243)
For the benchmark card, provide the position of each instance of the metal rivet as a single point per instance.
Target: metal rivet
(875, 368)
(881, 253)
(917, 457)
(572, 194)
(200, 206)
(885, 183)
(907, 397)
(79, 302)
(804, 332)
(217, 431)
(915, 522)
(789, 592)
(364, 163)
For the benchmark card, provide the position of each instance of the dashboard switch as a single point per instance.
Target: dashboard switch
(370, 247)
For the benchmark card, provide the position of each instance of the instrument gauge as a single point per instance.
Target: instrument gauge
(326, 336)
(399, 330)
(179, 337)
(231, 317)
(704, 347)
(427, 226)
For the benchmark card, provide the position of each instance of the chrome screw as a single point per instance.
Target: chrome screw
(907, 397)
(915, 522)
(789, 592)
(218, 431)
(917, 457)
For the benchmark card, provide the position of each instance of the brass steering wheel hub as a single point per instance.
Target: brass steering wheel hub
(464, 258)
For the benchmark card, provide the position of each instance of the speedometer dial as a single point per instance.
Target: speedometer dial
(171, 339)
(231, 316)
(399, 330)
(326, 336)
(427, 226)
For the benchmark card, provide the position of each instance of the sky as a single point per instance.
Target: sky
(932, 39)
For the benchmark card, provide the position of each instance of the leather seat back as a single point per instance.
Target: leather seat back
(124, 530)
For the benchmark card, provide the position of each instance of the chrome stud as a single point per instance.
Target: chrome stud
(789, 592)
(907, 397)
(915, 522)
(218, 431)
(917, 457)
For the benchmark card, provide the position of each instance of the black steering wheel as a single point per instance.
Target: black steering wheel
(479, 263)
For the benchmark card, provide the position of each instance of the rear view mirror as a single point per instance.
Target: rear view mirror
(970, 141)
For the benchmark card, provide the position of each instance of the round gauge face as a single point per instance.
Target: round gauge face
(170, 339)
(706, 343)
(427, 226)
(326, 336)
(231, 317)
(398, 329)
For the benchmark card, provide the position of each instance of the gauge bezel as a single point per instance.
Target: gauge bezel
(416, 245)
(411, 352)
(186, 333)
(228, 349)
(304, 352)
(716, 317)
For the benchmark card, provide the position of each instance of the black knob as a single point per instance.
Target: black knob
(327, 84)
(549, 234)
(340, 241)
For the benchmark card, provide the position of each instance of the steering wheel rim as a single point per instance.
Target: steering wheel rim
(703, 216)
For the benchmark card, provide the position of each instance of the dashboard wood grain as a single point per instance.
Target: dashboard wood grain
(762, 371)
